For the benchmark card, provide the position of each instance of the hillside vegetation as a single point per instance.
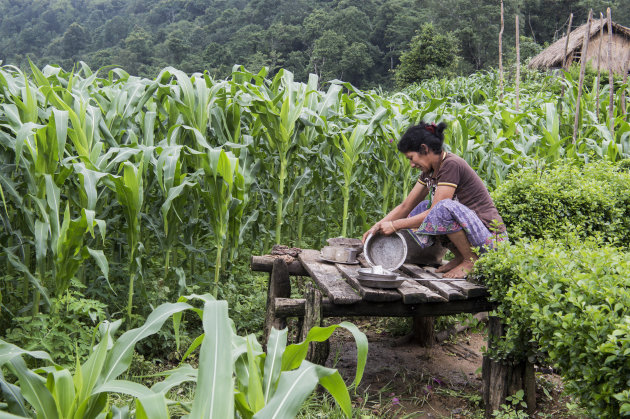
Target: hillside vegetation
(356, 41)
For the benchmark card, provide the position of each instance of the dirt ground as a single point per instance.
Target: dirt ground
(403, 380)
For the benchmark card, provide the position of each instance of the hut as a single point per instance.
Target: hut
(554, 56)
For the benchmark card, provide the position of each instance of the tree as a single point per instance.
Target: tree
(327, 53)
(74, 40)
(139, 43)
(431, 54)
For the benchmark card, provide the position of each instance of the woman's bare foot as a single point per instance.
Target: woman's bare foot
(461, 270)
(450, 265)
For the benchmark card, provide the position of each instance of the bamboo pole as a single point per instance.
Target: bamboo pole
(518, 66)
(566, 47)
(582, 71)
(625, 81)
(501, 56)
(611, 81)
(599, 59)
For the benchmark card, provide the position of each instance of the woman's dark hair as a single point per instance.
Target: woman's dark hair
(430, 134)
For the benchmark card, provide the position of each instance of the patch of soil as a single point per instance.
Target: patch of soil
(405, 380)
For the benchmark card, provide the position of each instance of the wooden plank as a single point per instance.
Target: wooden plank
(423, 270)
(288, 307)
(442, 288)
(469, 289)
(328, 278)
(432, 270)
(414, 293)
(416, 272)
(265, 264)
(368, 294)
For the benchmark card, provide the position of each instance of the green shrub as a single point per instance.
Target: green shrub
(571, 297)
(590, 201)
(67, 331)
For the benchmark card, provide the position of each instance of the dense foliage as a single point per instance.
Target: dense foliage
(113, 184)
(560, 284)
(589, 201)
(120, 193)
(571, 297)
(234, 373)
(357, 41)
(430, 55)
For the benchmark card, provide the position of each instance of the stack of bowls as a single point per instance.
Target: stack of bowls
(369, 277)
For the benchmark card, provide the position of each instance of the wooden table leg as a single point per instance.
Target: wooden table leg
(318, 351)
(279, 286)
(423, 331)
(503, 379)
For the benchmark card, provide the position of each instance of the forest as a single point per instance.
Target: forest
(357, 41)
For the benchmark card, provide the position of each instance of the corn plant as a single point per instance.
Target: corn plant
(233, 373)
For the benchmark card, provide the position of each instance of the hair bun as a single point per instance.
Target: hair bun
(441, 127)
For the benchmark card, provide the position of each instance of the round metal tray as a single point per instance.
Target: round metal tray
(388, 251)
(366, 273)
(381, 283)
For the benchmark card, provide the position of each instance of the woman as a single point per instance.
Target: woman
(459, 206)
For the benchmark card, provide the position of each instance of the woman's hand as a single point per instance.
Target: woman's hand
(388, 227)
(373, 230)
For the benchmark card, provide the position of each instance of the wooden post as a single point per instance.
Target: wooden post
(565, 61)
(317, 351)
(611, 80)
(501, 56)
(279, 286)
(518, 66)
(599, 59)
(502, 379)
(423, 331)
(583, 60)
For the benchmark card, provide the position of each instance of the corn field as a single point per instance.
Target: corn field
(130, 183)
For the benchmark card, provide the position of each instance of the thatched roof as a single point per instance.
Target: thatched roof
(553, 56)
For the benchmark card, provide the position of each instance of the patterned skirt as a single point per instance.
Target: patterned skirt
(448, 216)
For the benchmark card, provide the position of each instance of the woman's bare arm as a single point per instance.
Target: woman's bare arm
(441, 192)
(417, 194)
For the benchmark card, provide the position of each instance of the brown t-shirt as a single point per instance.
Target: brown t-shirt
(469, 188)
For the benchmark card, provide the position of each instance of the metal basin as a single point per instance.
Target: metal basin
(366, 273)
(346, 242)
(388, 251)
(382, 283)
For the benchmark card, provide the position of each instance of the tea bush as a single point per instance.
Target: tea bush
(592, 200)
(571, 296)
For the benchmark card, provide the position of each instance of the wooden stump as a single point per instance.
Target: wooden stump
(317, 351)
(423, 331)
(503, 379)
(279, 287)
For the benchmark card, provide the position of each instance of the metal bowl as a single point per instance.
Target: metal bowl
(382, 283)
(366, 273)
(346, 242)
(388, 251)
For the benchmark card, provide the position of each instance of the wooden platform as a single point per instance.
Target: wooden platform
(334, 291)
(339, 283)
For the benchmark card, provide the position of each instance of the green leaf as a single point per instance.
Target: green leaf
(214, 396)
(273, 362)
(152, 407)
(119, 358)
(63, 391)
(101, 261)
(13, 397)
(34, 390)
(295, 386)
(295, 354)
